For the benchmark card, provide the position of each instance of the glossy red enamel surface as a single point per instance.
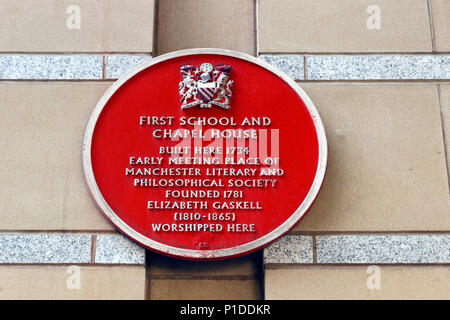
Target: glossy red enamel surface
(257, 92)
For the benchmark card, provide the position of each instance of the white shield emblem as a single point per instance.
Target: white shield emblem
(206, 91)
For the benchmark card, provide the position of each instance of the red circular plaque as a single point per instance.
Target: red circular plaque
(204, 154)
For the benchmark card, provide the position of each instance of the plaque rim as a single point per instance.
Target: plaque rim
(216, 254)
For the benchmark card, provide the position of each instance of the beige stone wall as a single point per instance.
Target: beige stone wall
(55, 243)
(380, 228)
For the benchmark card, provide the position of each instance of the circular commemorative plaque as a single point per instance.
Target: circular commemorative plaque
(204, 154)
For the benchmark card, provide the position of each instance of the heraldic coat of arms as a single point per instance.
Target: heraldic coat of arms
(205, 86)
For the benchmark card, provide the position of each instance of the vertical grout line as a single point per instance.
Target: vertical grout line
(147, 275)
(104, 67)
(305, 68)
(430, 15)
(93, 247)
(314, 243)
(155, 28)
(262, 285)
(256, 28)
(444, 136)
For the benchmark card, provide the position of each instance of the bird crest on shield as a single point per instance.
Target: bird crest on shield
(205, 86)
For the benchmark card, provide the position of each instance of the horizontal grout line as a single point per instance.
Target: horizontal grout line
(205, 277)
(330, 233)
(390, 81)
(354, 53)
(110, 80)
(293, 233)
(349, 265)
(69, 264)
(310, 233)
(89, 232)
(259, 53)
(350, 82)
(58, 80)
(63, 53)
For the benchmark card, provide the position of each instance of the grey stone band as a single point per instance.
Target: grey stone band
(116, 249)
(292, 65)
(318, 67)
(68, 248)
(290, 249)
(66, 67)
(417, 248)
(119, 65)
(363, 67)
(362, 249)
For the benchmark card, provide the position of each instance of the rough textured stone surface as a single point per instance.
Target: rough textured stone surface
(248, 265)
(206, 24)
(397, 282)
(42, 128)
(378, 67)
(386, 167)
(204, 289)
(51, 67)
(118, 65)
(58, 282)
(105, 26)
(441, 22)
(376, 249)
(297, 26)
(117, 249)
(45, 248)
(290, 249)
(292, 65)
(445, 110)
